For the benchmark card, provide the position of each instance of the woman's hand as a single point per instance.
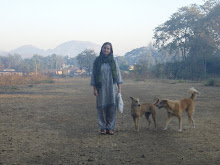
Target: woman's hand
(119, 88)
(95, 91)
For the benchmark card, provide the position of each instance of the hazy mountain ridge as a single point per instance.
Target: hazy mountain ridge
(27, 51)
(142, 54)
(3, 53)
(71, 48)
(149, 54)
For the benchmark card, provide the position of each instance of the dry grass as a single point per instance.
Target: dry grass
(17, 79)
(57, 124)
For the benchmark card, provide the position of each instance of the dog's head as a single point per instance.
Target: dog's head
(135, 101)
(192, 90)
(163, 104)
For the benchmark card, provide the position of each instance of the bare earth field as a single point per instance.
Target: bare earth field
(57, 124)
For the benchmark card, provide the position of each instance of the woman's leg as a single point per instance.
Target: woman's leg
(110, 118)
(101, 113)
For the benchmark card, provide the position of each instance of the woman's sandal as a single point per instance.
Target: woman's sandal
(111, 132)
(103, 132)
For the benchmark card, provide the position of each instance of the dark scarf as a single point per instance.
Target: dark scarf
(97, 68)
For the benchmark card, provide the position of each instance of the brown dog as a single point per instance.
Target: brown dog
(176, 107)
(137, 110)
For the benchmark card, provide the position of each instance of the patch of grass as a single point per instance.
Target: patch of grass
(32, 79)
(44, 81)
(139, 79)
(14, 87)
(7, 88)
(212, 82)
(181, 81)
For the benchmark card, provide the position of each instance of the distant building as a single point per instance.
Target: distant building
(79, 72)
(131, 67)
(59, 72)
(7, 72)
(70, 71)
(52, 72)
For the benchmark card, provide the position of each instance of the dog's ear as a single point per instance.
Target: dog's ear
(164, 101)
(132, 98)
(157, 100)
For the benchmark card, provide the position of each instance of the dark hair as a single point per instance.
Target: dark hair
(107, 43)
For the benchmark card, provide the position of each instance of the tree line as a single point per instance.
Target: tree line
(193, 33)
(39, 63)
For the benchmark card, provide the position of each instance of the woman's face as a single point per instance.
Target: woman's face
(106, 49)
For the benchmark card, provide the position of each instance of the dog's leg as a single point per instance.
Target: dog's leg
(138, 123)
(180, 123)
(135, 125)
(168, 121)
(154, 118)
(191, 121)
(147, 114)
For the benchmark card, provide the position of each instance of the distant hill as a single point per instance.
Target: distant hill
(141, 54)
(71, 48)
(3, 53)
(149, 54)
(27, 51)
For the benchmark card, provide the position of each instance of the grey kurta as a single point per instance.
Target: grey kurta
(107, 94)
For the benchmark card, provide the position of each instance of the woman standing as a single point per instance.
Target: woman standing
(106, 81)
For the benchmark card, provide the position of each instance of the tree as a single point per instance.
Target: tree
(86, 59)
(26, 66)
(175, 34)
(123, 63)
(194, 31)
(70, 61)
(53, 61)
(37, 62)
(10, 61)
(205, 42)
(141, 70)
(189, 23)
(2, 65)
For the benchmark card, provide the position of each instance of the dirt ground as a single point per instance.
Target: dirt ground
(57, 124)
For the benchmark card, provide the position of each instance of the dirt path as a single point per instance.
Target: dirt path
(57, 124)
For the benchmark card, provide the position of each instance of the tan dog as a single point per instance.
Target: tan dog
(176, 107)
(137, 110)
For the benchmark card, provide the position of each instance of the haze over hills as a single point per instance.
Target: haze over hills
(71, 48)
(150, 55)
(3, 53)
(143, 53)
(27, 51)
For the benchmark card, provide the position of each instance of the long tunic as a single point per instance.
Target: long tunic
(107, 94)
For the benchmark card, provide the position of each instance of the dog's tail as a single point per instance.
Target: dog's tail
(193, 91)
(156, 101)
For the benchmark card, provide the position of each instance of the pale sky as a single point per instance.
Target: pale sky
(45, 24)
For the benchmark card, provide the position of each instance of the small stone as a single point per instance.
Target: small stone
(90, 159)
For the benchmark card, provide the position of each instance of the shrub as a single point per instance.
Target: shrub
(211, 82)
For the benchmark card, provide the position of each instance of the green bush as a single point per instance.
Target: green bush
(211, 82)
